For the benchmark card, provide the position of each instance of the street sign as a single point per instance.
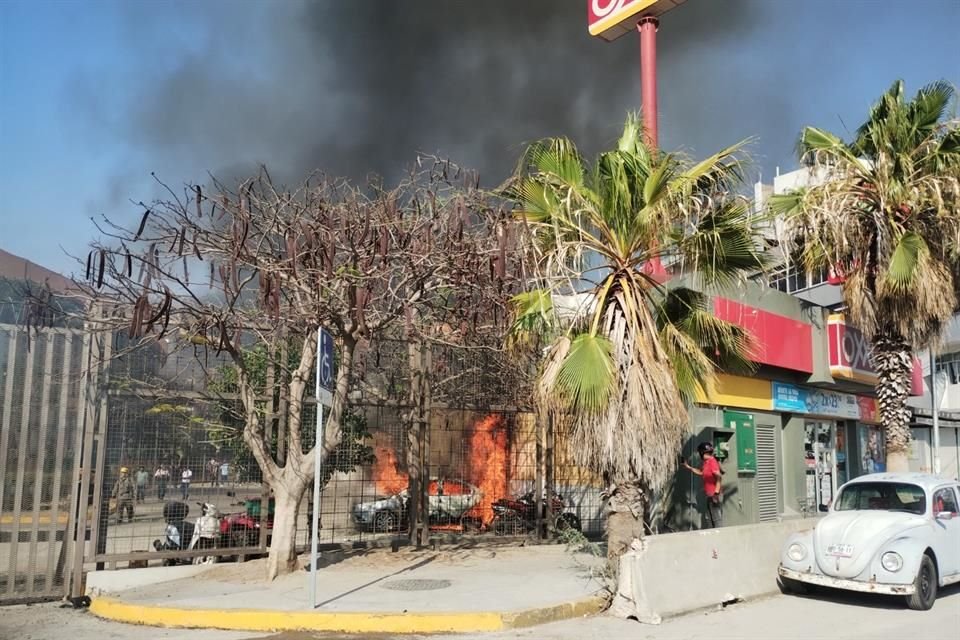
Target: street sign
(326, 367)
(610, 19)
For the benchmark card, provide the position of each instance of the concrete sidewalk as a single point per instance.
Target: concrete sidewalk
(455, 589)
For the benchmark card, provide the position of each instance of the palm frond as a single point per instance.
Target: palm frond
(787, 204)
(685, 321)
(929, 107)
(723, 245)
(557, 157)
(692, 368)
(905, 263)
(824, 147)
(534, 318)
(718, 172)
(586, 376)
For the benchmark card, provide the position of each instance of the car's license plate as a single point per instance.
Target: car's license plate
(840, 550)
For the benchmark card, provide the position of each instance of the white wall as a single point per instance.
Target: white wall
(948, 395)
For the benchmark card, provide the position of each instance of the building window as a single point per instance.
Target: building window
(778, 279)
(817, 277)
(790, 278)
(948, 364)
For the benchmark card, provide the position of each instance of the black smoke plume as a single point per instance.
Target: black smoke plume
(354, 88)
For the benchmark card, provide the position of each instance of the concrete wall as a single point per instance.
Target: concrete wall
(682, 572)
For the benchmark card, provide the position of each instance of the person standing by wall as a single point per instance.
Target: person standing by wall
(142, 477)
(711, 473)
(186, 475)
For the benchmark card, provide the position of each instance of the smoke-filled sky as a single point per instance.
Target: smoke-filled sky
(94, 96)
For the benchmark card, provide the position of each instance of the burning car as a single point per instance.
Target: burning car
(449, 501)
(889, 533)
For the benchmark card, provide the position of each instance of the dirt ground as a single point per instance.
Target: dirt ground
(254, 570)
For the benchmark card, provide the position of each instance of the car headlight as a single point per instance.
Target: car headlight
(891, 561)
(797, 552)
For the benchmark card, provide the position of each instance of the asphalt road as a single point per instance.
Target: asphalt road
(833, 616)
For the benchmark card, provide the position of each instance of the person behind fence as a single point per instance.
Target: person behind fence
(224, 473)
(213, 469)
(142, 477)
(711, 473)
(123, 493)
(161, 476)
(186, 475)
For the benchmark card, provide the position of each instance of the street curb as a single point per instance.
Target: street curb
(271, 620)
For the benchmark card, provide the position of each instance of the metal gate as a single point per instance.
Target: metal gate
(42, 410)
(768, 508)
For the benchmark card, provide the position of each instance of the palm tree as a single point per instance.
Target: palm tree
(627, 353)
(886, 212)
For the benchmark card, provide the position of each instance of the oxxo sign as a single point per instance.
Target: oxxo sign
(610, 19)
(849, 352)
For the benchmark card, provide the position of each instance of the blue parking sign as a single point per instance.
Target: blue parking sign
(327, 364)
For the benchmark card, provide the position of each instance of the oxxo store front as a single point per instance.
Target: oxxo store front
(790, 436)
(786, 439)
(784, 448)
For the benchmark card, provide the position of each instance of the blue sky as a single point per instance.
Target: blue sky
(96, 95)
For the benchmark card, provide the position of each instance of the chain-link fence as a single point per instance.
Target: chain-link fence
(173, 434)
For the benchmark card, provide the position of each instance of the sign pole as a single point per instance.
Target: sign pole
(647, 27)
(323, 395)
(318, 440)
(936, 412)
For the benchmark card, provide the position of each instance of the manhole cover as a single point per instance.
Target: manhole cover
(416, 585)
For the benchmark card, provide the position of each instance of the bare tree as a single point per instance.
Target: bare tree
(225, 267)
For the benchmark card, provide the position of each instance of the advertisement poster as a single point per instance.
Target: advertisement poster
(872, 455)
(787, 397)
(819, 402)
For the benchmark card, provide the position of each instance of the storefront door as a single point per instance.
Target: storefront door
(821, 461)
(843, 470)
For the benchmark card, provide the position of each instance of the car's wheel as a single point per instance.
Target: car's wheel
(789, 586)
(384, 521)
(926, 586)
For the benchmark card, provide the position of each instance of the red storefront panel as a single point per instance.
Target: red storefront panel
(778, 341)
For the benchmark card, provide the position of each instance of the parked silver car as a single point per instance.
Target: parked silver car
(449, 500)
(888, 533)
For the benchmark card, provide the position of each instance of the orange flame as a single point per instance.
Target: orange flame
(387, 475)
(488, 464)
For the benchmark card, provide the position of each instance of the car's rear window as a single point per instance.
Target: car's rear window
(882, 496)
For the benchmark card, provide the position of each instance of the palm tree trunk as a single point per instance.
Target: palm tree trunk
(893, 362)
(624, 520)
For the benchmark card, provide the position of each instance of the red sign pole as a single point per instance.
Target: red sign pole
(648, 76)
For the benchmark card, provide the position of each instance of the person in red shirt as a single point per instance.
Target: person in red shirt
(711, 472)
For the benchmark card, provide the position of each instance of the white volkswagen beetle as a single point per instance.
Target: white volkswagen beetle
(890, 533)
